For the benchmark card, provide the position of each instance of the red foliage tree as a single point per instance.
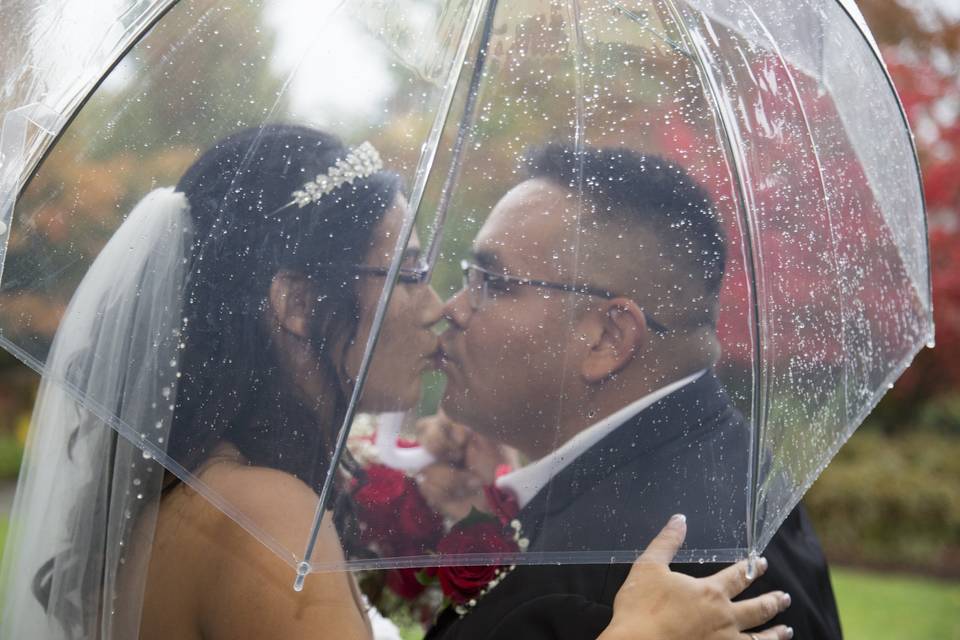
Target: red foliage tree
(931, 98)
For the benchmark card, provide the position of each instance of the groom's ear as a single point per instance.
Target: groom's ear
(616, 332)
(290, 302)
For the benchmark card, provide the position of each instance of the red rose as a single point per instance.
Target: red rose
(381, 486)
(417, 522)
(394, 514)
(462, 583)
(502, 503)
(473, 535)
(404, 583)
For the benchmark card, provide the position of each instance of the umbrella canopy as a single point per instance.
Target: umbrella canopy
(681, 246)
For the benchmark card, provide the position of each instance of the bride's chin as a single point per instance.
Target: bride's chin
(398, 401)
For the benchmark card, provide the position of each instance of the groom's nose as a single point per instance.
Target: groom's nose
(457, 310)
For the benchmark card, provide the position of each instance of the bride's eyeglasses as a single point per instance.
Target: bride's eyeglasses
(478, 281)
(407, 275)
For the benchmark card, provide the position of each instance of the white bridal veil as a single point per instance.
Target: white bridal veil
(84, 514)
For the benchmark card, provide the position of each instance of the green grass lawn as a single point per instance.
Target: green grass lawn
(877, 606)
(873, 606)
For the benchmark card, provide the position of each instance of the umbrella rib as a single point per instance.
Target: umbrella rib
(643, 21)
(753, 263)
(326, 490)
(450, 183)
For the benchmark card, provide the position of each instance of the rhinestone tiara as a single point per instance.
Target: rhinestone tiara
(362, 161)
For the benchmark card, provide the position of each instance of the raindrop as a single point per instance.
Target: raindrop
(147, 455)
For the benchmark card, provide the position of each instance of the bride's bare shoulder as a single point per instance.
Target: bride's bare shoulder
(276, 505)
(251, 576)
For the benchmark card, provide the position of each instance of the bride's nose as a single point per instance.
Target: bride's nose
(431, 309)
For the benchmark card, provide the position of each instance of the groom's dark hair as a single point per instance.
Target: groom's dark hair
(645, 191)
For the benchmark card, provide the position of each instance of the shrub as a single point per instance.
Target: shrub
(11, 452)
(892, 501)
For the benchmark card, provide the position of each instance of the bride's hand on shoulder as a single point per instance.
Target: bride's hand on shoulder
(657, 603)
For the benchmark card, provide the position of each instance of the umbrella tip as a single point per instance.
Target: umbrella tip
(302, 570)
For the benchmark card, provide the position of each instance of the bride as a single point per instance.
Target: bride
(224, 324)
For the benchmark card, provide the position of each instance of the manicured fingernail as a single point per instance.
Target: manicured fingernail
(789, 632)
(678, 518)
(763, 564)
(785, 600)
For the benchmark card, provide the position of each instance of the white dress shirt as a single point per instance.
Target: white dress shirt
(527, 481)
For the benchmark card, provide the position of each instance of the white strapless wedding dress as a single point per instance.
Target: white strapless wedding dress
(383, 628)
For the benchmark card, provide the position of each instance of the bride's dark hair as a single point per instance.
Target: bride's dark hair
(233, 386)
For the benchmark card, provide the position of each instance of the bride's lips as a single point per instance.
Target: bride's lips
(431, 355)
(442, 358)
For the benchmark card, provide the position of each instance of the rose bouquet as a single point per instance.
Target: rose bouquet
(395, 519)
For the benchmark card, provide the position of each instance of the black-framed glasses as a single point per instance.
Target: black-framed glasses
(477, 282)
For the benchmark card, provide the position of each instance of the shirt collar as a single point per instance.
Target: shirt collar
(527, 481)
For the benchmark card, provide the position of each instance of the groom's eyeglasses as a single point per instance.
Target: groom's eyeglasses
(478, 281)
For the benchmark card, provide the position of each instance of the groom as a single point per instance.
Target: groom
(585, 337)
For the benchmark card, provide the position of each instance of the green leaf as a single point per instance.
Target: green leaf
(424, 578)
(475, 517)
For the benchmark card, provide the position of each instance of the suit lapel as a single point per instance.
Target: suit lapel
(698, 406)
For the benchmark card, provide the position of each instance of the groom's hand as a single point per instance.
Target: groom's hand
(459, 447)
(450, 491)
(466, 463)
(445, 439)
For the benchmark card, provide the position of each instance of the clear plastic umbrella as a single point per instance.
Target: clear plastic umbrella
(680, 244)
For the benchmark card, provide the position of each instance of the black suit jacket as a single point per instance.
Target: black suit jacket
(686, 453)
